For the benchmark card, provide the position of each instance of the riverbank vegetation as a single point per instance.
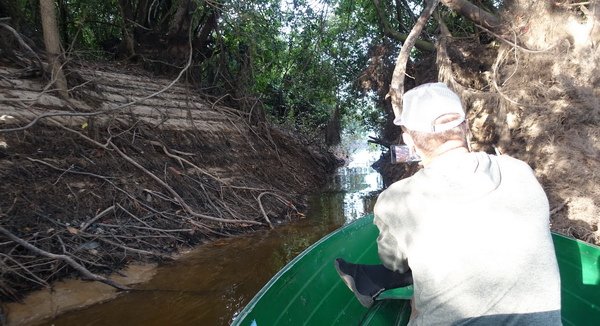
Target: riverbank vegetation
(132, 128)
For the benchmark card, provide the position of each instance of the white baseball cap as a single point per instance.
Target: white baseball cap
(422, 105)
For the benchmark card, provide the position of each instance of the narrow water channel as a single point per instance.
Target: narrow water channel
(214, 282)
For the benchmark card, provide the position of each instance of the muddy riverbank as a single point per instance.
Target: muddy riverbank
(139, 180)
(210, 284)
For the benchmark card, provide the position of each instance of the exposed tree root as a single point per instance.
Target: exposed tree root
(128, 176)
(80, 268)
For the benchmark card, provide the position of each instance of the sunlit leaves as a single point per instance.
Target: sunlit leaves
(300, 58)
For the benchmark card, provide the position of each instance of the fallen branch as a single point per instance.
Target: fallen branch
(34, 278)
(262, 209)
(397, 85)
(97, 217)
(177, 197)
(135, 250)
(23, 44)
(181, 159)
(84, 271)
(283, 200)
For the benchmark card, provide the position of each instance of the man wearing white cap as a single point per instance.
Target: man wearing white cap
(472, 228)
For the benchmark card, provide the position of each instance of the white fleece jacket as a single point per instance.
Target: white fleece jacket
(474, 229)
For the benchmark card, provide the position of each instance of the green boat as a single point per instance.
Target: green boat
(308, 290)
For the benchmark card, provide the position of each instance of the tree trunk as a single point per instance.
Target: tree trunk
(179, 30)
(474, 13)
(141, 13)
(180, 24)
(202, 39)
(52, 43)
(128, 42)
(333, 129)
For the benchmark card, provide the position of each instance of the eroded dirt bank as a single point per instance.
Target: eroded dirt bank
(531, 91)
(134, 168)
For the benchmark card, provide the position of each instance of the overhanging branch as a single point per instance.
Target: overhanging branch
(474, 13)
(397, 84)
(392, 33)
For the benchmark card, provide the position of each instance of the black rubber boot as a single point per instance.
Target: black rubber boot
(367, 281)
(348, 272)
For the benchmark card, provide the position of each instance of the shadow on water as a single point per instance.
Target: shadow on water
(215, 281)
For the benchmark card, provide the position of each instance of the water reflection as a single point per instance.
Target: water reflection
(217, 280)
(358, 184)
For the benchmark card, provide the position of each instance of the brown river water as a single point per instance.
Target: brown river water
(211, 284)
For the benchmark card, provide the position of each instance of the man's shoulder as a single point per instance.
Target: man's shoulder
(397, 193)
(510, 162)
(401, 186)
(508, 159)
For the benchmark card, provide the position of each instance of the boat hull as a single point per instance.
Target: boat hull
(308, 291)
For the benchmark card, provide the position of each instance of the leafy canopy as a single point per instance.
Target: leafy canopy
(301, 58)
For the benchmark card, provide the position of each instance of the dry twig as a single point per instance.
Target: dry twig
(180, 200)
(70, 261)
(97, 217)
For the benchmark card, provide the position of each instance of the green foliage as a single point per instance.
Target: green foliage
(299, 87)
(300, 58)
(85, 24)
(92, 22)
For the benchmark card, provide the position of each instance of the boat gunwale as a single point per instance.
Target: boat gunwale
(250, 306)
(584, 249)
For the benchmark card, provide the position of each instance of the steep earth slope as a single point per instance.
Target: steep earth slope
(132, 168)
